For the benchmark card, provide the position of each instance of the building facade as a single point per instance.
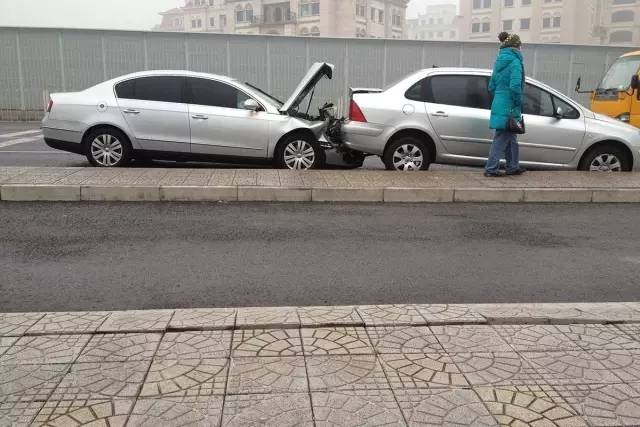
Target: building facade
(329, 18)
(438, 23)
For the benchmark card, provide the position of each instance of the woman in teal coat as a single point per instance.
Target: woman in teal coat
(506, 87)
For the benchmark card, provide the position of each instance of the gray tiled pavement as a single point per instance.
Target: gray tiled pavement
(353, 366)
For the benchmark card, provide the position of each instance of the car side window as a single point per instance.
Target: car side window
(537, 102)
(215, 94)
(155, 88)
(568, 111)
(458, 90)
(417, 92)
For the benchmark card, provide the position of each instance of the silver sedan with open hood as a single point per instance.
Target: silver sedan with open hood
(183, 115)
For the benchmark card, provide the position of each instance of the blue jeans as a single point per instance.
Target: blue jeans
(505, 144)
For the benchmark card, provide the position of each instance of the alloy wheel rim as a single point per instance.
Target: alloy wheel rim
(107, 150)
(299, 155)
(408, 157)
(606, 163)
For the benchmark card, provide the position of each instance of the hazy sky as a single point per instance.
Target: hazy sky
(105, 14)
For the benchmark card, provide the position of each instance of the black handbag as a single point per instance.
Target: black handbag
(516, 126)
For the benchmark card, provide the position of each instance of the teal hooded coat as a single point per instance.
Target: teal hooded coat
(506, 86)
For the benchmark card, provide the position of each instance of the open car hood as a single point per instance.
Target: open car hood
(310, 80)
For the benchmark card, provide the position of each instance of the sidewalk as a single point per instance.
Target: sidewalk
(134, 184)
(485, 365)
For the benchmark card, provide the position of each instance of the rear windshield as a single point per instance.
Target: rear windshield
(619, 75)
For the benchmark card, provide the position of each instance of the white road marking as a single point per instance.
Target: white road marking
(34, 152)
(26, 132)
(19, 141)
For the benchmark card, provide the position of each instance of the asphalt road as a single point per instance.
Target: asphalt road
(81, 256)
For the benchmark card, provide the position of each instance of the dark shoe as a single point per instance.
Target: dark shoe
(493, 174)
(517, 172)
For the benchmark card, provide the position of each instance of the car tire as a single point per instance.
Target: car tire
(407, 154)
(606, 158)
(108, 147)
(299, 152)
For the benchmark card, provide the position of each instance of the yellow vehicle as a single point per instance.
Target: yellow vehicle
(618, 95)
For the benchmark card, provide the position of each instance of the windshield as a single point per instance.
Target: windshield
(270, 98)
(619, 75)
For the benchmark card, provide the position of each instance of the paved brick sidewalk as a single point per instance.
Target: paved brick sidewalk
(537, 364)
(137, 184)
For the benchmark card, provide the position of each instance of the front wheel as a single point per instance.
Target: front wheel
(606, 158)
(299, 152)
(407, 155)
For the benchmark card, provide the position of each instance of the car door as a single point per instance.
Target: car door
(219, 123)
(156, 113)
(550, 138)
(458, 106)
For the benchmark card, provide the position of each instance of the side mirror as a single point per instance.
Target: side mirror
(635, 82)
(559, 113)
(578, 84)
(251, 105)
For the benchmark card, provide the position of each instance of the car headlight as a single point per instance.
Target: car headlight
(624, 117)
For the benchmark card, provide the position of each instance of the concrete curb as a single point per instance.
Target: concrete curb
(186, 193)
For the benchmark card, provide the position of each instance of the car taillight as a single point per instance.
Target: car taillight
(355, 113)
(49, 105)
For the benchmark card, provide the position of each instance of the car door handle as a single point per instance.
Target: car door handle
(200, 117)
(131, 111)
(439, 114)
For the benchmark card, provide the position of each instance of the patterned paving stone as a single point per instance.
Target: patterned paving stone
(393, 315)
(120, 347)
(205, 319)
(512, 407)
(186, 377)
(470, 339)
(530, 313)
(16, 324)
(623, 363)
(103, 412)
(259, 317)
(329, 316)
(573, 367)
(605, 404)
(137, 321)
(16, 414)
(496, 368)
(404, 339)
(28, 383)
(257, 375)
(336, 340)
(356, 408)
(422, 371)
(175, 412)
(436, 314)
(61, 323)
(535, 337)
(609, 312)
(44, 349)
(195, 345)
(266, 342)
(359, 372)
(6, 342)
(597, 337)
(100, 381)
(267, 410)
(443, 407)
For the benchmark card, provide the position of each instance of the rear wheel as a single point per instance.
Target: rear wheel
(606, 158)
(299, 152)
(108, 148)
(407, 154)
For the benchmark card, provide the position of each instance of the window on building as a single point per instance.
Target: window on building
(248, 13)
(309, 7)
(508, 3)
(373, 14)
(526, 2)
(616, 2)
(381, 16)
(481, 4)
(361, 8)
(556, 21)
(622, 16)
(158, 88)
(475, 27)
(525, 23)
(546, 22)
(439, 34)
(315, 32)
(212, 22)
(223, 21)
(486, 27)
(452, 34)
(507, 25)
(621, 37)
(214, 94)
(210, 2)
(239, 14)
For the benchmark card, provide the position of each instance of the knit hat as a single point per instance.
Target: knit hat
(510, 40)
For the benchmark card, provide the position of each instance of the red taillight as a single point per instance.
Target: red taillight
(49, 105)
(355, 113)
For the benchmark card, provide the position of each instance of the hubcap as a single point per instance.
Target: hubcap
(408, 157)
(106, 150)
(606, 163)
(299, 155)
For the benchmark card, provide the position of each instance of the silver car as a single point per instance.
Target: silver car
(182, 115)
(441, 115)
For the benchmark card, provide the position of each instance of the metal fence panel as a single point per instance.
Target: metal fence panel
(35, 62)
